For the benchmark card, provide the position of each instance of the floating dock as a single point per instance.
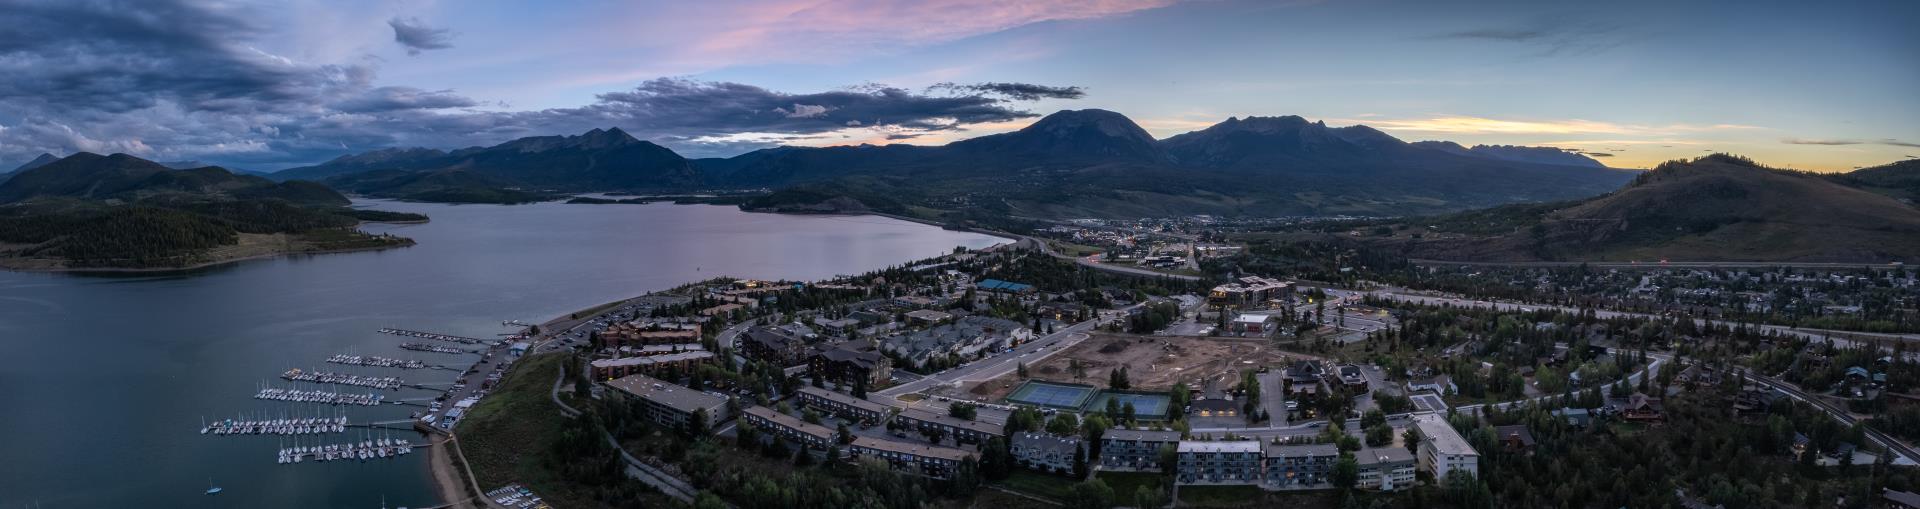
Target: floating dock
(376, 361)
(363, 450)
(377, 382)
(308, 426)
(436, 336)
(321, 397)
(423, 347)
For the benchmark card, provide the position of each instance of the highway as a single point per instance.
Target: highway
(1908, 456)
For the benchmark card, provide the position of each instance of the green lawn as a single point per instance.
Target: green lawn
(1220, 496)
(1038, 484)
(1125, 483)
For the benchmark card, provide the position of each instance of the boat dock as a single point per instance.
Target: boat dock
(376, 361)
(377, 382)
(380, 448)
(321, 397)
(423, 347)
(308, 426)
(436, 336)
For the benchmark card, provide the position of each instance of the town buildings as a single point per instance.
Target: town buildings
(1134, 450)
(682, 362)
(1045, 452)
(1298, 466)
(961, 430)
(852, 361)
(1202, 462)
(1385, 469)
(667, 404)
(843, 405)
(773, 345)
(965, 337)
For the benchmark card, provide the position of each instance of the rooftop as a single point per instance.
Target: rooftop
(1142, 435)
(940, 418)
(845, 399)
(1383, 455)
(926, 451)
(673, 396)
(1441, 436)
(1273, 450)
(1199, 446)
(652, 359)
(791, 422)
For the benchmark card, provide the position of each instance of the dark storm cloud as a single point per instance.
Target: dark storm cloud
(1015, 91)
(181, 80)
(416, 36)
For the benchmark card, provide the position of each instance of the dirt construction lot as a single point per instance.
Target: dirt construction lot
(1153, 362)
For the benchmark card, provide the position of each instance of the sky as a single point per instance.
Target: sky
(1826, 86)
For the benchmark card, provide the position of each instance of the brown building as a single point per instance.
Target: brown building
(853, 360)
(775, 346)
(619, 335)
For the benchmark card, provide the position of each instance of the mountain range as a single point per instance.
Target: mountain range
(1074, 163)
(1715, 208)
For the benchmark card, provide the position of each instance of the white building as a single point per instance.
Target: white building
(1442, 449)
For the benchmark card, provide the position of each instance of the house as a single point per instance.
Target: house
(1134, 450)
(1351, 379)
(627, 334)
(852, 361)
(518, 348)
(1515, 438)
(1044, 452)
(1385, 469)
(1214, 408)
(1637, 407)
(773, 345)
(1301, 382)
(1442, 449)
(667, 404)
(1438, 384)
(1235, 462)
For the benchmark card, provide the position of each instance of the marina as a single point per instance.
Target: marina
(377, 382)
(318, 396)
(424, 347)
(380, 448)
(307, 426)
(376, 361)
(436, 336)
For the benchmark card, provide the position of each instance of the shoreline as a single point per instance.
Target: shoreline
(185, 268)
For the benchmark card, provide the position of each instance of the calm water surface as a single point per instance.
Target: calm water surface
(106, 378)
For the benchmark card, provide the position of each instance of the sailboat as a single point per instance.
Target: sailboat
(211, 489)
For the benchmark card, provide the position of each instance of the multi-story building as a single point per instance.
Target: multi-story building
(1202, 462)
(629, 334)
(776, 346)
(683, 362)
(843, 405)
(789, 427)
(850, 361)
(1442, 449)
(928, 460)
(1385, 469)
(667, 404)
(961, 430)
(1250, 291)
(1045, 452)
(1134, 450)
(1298, 466)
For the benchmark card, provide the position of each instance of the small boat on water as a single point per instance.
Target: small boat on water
(211, 489)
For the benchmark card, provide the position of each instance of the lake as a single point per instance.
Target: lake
(108, 378)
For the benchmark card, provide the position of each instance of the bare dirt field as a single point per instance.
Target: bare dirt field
(1153, 362)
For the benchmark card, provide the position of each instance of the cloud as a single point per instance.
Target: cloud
(403, 98)
(1883, 141)
(803, 111)
(1482, 125)
(1015, 91)
(1596, 154)
(416, 36)
(1550, 36)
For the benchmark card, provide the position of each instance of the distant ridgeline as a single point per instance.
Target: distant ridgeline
(120, 211)
(1085, 163)
(1715, 208)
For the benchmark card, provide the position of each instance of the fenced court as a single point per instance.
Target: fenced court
(1146, 406)
(1057, 396)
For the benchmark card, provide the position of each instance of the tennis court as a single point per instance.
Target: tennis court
(1051, 395)
(1150, 407)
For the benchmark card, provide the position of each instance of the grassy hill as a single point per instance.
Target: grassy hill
(1716, 208)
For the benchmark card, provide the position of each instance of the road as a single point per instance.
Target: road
(1031, 242)
(1908, 456)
